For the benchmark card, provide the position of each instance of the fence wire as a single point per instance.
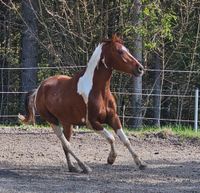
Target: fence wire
(146, 93)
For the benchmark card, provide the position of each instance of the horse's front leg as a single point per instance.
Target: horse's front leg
(115, 123)
(110, 138)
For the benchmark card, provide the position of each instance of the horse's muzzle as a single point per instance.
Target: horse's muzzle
(139, 71)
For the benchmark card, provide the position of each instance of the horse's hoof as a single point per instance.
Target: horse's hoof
(74, 169)
(112, 157)
(87, 170)
(142, 166)
(111, 160)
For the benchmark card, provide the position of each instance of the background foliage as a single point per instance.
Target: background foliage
(68, 32)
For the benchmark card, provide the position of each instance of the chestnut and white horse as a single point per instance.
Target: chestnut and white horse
(85, 98)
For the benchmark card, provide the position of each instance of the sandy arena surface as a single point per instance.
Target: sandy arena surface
(32, 160)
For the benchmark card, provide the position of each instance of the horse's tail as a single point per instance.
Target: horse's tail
(29, 108)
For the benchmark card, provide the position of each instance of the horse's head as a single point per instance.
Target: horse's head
(115, 55)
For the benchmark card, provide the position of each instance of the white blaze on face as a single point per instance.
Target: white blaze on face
(127, 51)
(86, 81)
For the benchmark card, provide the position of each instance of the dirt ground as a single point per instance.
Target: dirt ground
(32, 160)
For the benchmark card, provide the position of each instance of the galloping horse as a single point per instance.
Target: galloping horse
(85, 98)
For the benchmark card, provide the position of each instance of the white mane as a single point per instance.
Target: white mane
(86, 81)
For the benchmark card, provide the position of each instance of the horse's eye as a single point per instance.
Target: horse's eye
(120, 52)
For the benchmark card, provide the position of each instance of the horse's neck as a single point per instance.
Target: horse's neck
(95, 79)
(101, 79)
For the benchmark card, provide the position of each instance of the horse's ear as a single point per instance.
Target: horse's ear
(116, 38)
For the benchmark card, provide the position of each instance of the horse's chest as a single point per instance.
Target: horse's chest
(102, 114)
(102, 110)
(98, 108)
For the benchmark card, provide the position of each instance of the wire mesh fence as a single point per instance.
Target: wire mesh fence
(176, 106)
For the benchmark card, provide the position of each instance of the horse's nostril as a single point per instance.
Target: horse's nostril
(140, 69)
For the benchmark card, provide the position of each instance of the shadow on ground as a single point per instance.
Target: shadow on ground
(158, 177)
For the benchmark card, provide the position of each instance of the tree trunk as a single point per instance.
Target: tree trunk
(29, 52)
(137, 81)
(5, 33)
(113, 17)
(156, 91)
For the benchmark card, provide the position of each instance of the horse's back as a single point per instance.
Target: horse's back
(53, 80)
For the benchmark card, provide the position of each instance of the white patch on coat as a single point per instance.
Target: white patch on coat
(85, 82)
(122, 136)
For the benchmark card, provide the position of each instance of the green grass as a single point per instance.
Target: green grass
(187, 132)
(181, 131)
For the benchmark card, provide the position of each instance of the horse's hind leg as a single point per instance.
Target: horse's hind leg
(66, 145)
(71, 166)
(68, 132)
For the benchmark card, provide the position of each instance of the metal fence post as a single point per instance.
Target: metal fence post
(196, 109)
(123, 115)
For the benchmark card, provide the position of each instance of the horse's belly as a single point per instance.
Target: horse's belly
(77, 114)
(70, 112)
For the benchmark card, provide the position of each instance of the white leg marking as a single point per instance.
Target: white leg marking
(127, 143)
(122, 136)
(59, 132)
(105, 133)
(110, 138)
